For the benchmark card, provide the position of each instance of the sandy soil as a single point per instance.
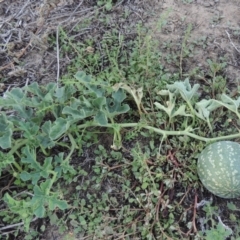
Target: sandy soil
(215, 29)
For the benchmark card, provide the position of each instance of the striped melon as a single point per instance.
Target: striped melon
(219, 168)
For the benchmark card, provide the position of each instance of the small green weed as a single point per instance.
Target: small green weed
(212, 225)
(107, 4)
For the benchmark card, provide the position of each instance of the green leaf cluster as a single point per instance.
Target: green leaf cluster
(34, 121)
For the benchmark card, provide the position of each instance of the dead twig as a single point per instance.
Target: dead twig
(159, 203)
(15, 225)
(229, 37)
(6, 187)
(194, 214)
(21, 10)
(75, 10)
(58, 65)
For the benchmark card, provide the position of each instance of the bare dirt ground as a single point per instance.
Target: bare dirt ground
(25, 28)
(215, 26)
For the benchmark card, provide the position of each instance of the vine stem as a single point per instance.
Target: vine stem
(18, 144)
(73, 147)
(185, 132)
(192, 135)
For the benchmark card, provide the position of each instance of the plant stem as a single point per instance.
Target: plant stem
(73, 147)
(17, 145)
(166, 133)
(53, 179)
(187, 133)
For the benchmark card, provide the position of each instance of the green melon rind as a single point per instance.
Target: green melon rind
(219, 168)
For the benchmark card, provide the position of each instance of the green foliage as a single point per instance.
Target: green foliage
(50, 116)
(117, 59)
(106, 3)
(52, 143)
(5, 132)
(29, 137)
(215, 228)
(171, 104)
